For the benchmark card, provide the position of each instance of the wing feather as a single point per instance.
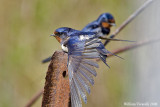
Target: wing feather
(89, 68)
(75, 96)
(92, 63)
(80, 89)
(81, 63)
(84, 82)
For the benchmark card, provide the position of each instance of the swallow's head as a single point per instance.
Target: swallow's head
(106, 20)
(61, 33)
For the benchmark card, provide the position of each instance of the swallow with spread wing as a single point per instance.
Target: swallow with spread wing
(83, 49)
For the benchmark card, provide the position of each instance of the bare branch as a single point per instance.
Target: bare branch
(138, 44)
(130, 18)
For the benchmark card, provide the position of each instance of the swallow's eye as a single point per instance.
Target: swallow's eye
(111, 21)
(95, 26)
(57, 33)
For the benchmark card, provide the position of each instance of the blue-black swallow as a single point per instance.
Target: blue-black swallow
(83, 49)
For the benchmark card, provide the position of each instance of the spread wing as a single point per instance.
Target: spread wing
(82, 53)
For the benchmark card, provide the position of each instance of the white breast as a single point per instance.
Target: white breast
(64, 48)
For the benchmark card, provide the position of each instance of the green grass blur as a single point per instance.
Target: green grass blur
(25, 26)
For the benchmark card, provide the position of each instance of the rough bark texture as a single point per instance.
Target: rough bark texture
(56, 90)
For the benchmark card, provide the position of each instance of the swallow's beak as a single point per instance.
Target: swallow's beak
(52, 35)
(112, 24)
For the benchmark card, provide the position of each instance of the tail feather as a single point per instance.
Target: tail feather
(103, 58)
(46, 60)
(111, 39)
(114, 54)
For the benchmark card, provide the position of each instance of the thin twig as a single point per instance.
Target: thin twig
(138, 44)
(130, 18)
(34, 98)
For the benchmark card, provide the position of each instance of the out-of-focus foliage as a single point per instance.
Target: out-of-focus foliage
(25, 26)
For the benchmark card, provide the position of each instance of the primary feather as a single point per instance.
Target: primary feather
(82, 54)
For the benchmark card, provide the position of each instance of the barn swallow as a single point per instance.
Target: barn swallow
(83, 49)
(101, 26)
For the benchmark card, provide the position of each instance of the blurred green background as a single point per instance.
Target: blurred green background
(25, 26)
